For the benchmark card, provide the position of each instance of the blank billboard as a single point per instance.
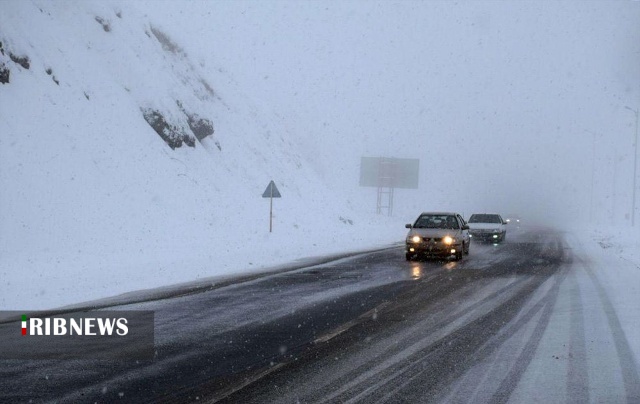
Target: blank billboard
(389, 172)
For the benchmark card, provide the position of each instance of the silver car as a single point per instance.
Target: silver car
(438, 234)
(488, 227)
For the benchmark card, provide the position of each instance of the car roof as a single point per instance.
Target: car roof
(438, 213)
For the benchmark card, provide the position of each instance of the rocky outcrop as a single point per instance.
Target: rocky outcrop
(173, 135)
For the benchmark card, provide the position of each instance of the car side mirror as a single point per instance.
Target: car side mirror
(408, 226)
(505, 222)
(465, 227)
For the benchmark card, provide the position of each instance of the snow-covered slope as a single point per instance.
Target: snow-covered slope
(94, 202)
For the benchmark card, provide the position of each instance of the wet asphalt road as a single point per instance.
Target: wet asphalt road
(371, 328)
(453, 316)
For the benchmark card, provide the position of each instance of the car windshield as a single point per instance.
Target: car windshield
(436, 222)
(485, 219)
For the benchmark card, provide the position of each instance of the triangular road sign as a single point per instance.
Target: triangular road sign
(271, 191)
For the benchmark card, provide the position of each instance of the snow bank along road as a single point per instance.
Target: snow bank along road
(524, 321)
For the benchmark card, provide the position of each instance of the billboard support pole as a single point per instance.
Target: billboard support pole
(386, 174)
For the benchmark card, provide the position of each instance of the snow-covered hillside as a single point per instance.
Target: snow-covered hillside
(94, 202)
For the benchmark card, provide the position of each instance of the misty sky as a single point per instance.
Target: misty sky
(503, 102)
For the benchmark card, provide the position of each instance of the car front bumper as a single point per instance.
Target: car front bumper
(485, 235)
(432, 249)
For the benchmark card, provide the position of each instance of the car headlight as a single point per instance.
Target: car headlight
(416, 239)
(448, 240)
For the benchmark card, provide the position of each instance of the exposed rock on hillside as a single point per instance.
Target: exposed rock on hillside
(167, 44)
(4, 74)
(171, 134)
(201, 127)
(105, 24)
(21, 60)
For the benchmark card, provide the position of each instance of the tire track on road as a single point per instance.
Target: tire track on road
(421, 367)
(456, 353)
(510, 382)
(373, 369)
(628, 365)
(578, 368)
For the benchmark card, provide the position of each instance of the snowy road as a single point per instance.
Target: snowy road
(527, 321)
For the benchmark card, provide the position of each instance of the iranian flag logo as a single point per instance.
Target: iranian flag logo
(24, 324)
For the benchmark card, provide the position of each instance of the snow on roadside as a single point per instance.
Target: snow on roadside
(614, 253)
(624, 242)
(78, 278)
(95, 203)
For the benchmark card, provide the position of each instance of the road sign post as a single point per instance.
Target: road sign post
(271, 192)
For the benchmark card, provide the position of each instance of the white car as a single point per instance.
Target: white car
(487, 227)
(438, 234)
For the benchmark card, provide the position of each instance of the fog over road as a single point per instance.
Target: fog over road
(523, 321)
